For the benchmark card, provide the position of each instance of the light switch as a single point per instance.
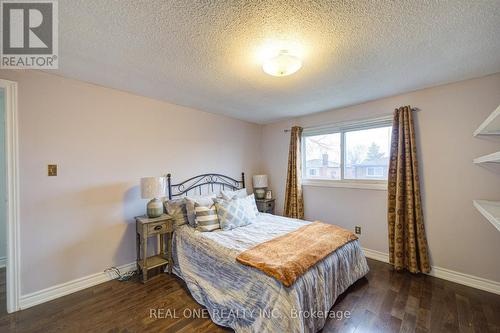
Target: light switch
(52, 170)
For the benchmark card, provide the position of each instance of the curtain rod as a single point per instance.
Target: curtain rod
(288, 130)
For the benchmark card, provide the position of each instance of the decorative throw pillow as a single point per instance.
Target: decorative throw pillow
(252, 204)
(206, 201)
(206, 218)
(230, 195)
(177, 209)
(234, 213)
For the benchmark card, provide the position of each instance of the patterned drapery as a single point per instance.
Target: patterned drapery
(407, 240)
(294, 204)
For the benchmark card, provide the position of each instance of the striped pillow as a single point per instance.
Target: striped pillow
(206, 218)
(207, 200)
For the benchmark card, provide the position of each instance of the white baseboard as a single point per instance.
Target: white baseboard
(3, 262)
(70, 287)
(466, 279)
(376, 255)
(446, 274)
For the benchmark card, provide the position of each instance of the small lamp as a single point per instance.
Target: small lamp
(153, 188)
(260, 186)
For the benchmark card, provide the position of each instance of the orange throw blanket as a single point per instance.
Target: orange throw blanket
(289, 256)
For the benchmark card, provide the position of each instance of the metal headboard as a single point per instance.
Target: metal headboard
(209, 179)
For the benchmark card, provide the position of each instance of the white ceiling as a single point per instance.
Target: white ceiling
(204, 54)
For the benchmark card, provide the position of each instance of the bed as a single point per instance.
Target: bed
(244, 298)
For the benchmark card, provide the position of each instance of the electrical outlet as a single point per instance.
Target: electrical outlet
(52, 170)
(357, 230)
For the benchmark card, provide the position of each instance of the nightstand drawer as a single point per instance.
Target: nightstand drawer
(270, 204)
(159, 228)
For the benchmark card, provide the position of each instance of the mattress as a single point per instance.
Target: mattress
(248, 300)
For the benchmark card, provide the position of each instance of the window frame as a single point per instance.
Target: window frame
(343, 128)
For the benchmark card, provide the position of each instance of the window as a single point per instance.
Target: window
(347, 153)
(374, 172)
(323, 156)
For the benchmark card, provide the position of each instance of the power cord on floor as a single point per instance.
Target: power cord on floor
(120, 276)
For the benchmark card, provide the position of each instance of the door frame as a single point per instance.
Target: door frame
(12, 193)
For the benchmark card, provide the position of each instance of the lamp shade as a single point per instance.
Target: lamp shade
(153, 187)
(260, 181)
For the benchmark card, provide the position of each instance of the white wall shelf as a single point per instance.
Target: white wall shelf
(491, 158)
(490, 210)
(491, 126)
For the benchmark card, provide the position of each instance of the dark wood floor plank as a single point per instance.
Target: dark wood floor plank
(424, 319)
(450, 324)
(385, 322)
(464, 314)
(424, 308)
(409, 323)
(492, 316)
(398, 309)
(480, 323)
(385, 301)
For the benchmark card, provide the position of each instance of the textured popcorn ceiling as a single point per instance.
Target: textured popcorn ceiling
(207, 54)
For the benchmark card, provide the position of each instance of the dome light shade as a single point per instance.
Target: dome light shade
(282, 65)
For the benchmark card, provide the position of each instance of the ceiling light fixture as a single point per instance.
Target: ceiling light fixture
(282, 65)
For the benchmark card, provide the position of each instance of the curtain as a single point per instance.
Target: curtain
(407, 240)
(294, 204)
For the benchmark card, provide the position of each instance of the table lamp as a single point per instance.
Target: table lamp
(153, 188)
(260, 186)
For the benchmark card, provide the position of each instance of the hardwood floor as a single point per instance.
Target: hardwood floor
(384, 301)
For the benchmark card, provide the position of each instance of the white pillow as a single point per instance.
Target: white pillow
(252, 204)
(229, 195)
(206, 201)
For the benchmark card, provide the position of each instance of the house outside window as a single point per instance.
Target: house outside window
(353, 154)
(377, 171)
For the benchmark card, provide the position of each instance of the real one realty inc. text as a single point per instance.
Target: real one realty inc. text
(165, 313)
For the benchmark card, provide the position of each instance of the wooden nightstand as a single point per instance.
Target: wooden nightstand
(160, 227)
(265, 205)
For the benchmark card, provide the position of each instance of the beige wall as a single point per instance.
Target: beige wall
(459, 237)
(103, 141)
